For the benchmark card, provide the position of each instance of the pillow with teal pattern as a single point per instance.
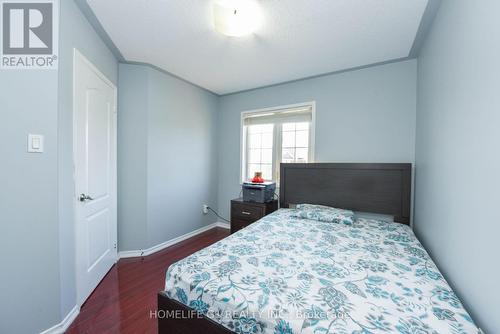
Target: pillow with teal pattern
(324, 213)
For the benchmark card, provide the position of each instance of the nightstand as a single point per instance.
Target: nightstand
(246, 213)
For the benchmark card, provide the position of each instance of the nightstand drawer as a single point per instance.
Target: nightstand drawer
(246, 212)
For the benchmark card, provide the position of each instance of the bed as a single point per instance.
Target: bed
(285, 274)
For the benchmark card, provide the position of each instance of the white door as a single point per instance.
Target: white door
(94, 146)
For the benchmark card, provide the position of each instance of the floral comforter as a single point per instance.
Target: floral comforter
(292, 275)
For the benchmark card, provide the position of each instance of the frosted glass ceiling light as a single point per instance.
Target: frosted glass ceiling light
(236, 17)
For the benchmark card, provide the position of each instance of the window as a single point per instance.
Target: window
(274, 136)
(260, 150)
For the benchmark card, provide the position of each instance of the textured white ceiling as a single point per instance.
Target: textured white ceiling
(298, 38)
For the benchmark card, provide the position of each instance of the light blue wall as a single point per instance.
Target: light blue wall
(29, 237)
(182, 156)
(132, 157)
(366, 115)
(174, 148)
(37, 224)
(457, 152)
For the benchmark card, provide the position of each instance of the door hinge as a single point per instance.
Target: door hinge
(114, 245)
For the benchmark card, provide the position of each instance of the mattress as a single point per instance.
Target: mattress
(290, 275)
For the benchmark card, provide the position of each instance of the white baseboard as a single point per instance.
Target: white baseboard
(223, 225)
(163, 245)
(61, 327)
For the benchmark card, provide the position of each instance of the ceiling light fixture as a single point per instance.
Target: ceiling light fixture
(236, 18)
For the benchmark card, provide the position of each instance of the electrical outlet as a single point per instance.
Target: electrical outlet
(205, 209)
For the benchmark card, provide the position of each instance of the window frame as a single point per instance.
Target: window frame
(276, 137)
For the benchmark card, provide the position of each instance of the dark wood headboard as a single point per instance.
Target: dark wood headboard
(365, 187)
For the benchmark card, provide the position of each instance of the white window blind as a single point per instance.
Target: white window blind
(293, 115)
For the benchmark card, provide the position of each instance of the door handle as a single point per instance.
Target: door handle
(84, 197)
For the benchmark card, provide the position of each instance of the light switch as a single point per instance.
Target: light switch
(35, 143)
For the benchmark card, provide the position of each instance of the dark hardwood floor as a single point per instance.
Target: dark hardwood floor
(122, 302)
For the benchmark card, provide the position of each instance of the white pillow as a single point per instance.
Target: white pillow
(324, 214)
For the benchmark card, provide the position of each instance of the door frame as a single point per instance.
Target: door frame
(78, 56)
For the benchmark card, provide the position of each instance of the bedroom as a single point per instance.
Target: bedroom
(396, 120)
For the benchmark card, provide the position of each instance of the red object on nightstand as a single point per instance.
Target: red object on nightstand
(258, 178)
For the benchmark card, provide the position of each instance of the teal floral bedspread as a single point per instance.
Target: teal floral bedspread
(291, 275)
